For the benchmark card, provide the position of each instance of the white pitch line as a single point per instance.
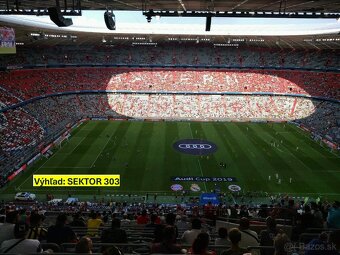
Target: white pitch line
(198, 160)
(61, 167)
(101, 151)
(68, 153)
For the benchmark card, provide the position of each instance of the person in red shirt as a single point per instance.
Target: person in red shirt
(143, 218)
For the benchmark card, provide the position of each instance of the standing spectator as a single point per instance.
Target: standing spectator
(249, 237)
(21, 245)
(235, 238)
(60, 233)
(115, 234)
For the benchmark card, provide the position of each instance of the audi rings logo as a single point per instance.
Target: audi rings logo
(195, 146)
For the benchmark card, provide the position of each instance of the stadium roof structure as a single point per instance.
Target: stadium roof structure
(324, 6)
(40, 32)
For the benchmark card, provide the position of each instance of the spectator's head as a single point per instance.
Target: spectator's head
(334, 238)
(270, 222)
(115, 223)
(20, 230)
(282, 244)
(323, 236)
(144, 212)
(244, 223)
(196, 224)
(336, 204)
(61, 219)
(169, 234)
(234, 236)
(222, 232)
(200, 244)
(112, 250)
(84, 245)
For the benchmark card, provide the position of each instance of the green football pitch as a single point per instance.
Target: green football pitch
(144, 156)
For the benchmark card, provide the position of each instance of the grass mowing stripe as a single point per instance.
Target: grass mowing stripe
(198, 159)
(147, 148)
(295, 165)
(271, 153)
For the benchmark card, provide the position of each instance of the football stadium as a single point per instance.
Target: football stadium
(170, 127)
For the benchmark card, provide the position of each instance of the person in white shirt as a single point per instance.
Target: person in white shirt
(189, 236)
(248, 237)
(20, 245)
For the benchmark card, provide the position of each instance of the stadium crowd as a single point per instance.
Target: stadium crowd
(284, 227)
(26, 84)
(174, 54)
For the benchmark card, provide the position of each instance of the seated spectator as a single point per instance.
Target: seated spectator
(7, 228)
(60, 233)
(152, 223)
(334, 241)
(93, 224)
(235, 238)
(183, 223)
(115, 234)
(78, 221)
(84, 245)
(222, 237)
(249, 237)
(321, 243)
(143, 218)
(36, 231)
(125, 221)
(200, 245)
(168, 244)
(189, 236)
(267, 236)
(282, 245)
(20, 245)
(333, 218)
(113, 250)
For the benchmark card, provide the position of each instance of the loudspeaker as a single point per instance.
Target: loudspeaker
(110, 20)
(57, 17)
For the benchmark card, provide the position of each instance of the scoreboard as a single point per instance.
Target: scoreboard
(7, 39)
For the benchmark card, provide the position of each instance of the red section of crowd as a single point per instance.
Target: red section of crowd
(26, 84)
